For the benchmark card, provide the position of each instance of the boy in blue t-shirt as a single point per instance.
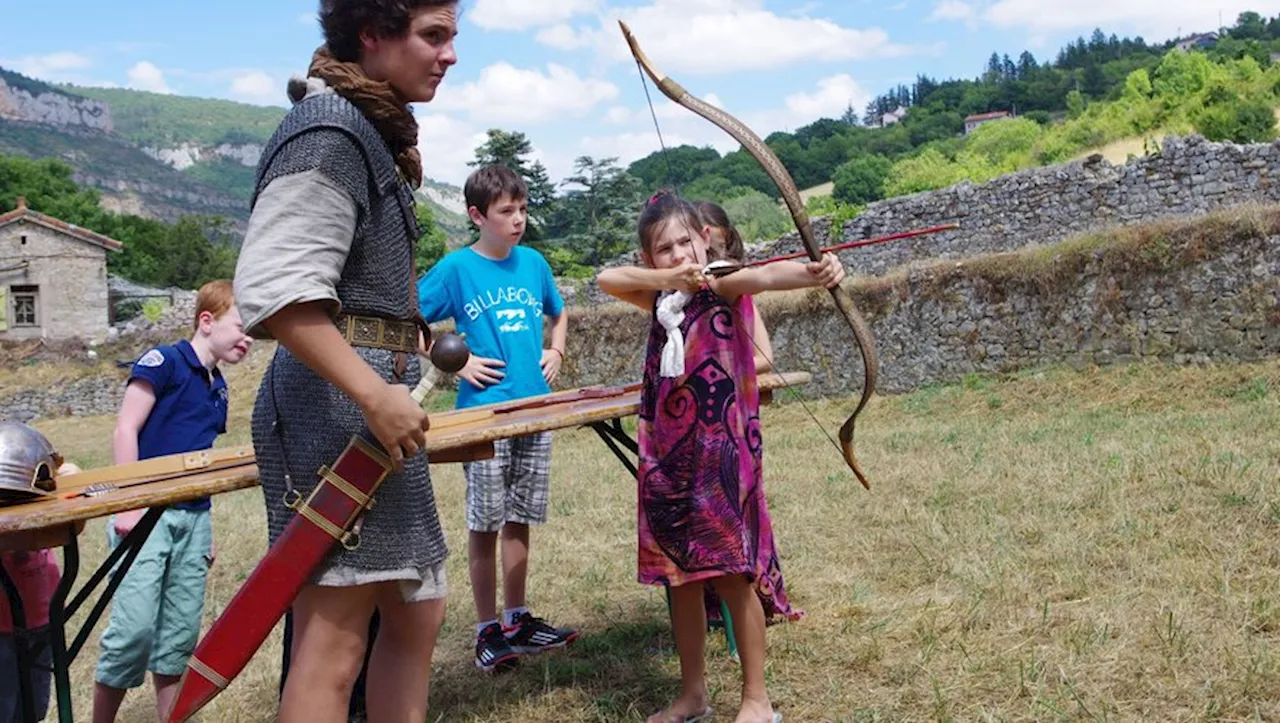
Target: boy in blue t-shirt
(497, 292)
(175, 402)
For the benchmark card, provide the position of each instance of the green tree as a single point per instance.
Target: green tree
(1075, 104)
(757, 216)
(1006, 144)
(49, 188)
(677, 167)
(1180, 75)
(861, 179)
(599, 210)
(432, 242)
(1236, 119)
(924, 172)
(1137, 87)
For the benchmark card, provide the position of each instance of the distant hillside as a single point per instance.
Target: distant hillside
(18, 81)
(162, 155)
(128, 179)
(157, 120)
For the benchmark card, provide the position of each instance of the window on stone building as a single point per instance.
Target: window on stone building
(26, 305)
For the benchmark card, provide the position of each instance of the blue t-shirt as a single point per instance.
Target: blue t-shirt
(499, 305)
(191, 405)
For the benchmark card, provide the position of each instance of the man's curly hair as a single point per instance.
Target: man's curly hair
(343, 20)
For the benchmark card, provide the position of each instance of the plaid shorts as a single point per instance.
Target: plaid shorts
(513, 486)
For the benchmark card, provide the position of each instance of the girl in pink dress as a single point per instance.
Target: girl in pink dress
(702, 512)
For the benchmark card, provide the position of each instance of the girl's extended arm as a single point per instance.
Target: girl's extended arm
(782, 276)
(639, 285)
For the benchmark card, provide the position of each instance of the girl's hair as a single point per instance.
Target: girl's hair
(713, 215)
(661, 208)
(343, 20)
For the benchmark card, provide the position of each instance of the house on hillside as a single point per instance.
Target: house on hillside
(1199, 41)
(893, 116)
(53, 277)
(972, 122)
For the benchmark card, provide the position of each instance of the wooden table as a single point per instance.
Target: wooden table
(455, 436)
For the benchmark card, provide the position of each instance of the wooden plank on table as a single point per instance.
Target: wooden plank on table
(461, 416)
(205, 459)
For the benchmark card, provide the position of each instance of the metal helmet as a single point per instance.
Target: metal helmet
(28, 463)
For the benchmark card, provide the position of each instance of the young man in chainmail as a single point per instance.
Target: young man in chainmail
(327, 257)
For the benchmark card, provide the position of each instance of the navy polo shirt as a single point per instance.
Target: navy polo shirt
(191, 405)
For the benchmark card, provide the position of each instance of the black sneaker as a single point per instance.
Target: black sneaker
(533, 635)
(493, 653)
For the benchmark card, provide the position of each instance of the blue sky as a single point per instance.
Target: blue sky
(559, 70)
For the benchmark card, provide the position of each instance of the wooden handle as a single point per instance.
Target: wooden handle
(426, 384)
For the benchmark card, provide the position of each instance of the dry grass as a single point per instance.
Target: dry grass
(1058, 545)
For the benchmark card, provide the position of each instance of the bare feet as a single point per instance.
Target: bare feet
(755, 711)
(688, 707)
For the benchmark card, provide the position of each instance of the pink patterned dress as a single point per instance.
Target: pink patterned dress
(702, 509)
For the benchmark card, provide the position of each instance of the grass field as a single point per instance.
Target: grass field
(1058, 545)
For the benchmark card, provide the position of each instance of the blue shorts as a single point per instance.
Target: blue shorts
(156, 611)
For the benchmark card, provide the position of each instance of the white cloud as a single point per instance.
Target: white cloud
(144, 75)
(833, 96)
(690, 37)
(525, 14)
(255, 86)
(952, 10)
(446, 145)
(50, 66)
(617, 115)
(504, 94)
(563, 37)
(1154, 19)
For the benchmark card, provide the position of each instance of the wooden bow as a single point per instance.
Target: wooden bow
(791, 195)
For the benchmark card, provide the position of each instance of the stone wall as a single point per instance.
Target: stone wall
(1188, 177)
(88, 396)
(71, 277)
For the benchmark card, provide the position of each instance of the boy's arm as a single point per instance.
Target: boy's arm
(553, 356)
(782, 276)
(639, 285)
(139, 400)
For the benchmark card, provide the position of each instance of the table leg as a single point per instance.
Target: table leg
(60, 611)
(57, 629)
(26, 699)
(613, 434)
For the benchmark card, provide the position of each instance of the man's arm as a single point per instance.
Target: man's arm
(139, 400)
(397, 422)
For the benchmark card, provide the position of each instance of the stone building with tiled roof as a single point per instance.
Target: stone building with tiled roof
(53, 277)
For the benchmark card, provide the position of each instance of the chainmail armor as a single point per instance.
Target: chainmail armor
(301, 421)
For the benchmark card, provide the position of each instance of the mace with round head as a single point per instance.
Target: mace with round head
(449, 353)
